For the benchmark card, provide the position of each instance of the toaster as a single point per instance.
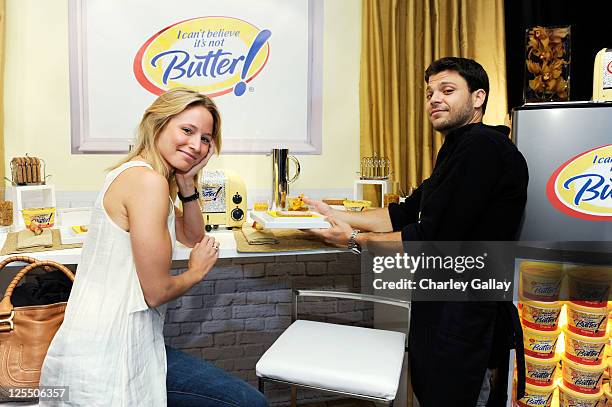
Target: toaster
(224, 199)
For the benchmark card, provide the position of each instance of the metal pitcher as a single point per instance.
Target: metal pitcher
(280, 177)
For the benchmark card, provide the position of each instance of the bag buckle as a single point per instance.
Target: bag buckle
(8, 320)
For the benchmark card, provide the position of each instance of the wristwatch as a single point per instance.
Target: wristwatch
(352, 243)
(189, 198)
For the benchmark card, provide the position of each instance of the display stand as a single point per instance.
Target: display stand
(16, 194)
(385, 187)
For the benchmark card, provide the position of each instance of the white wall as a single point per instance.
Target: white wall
(37, 104)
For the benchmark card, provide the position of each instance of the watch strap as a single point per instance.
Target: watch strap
(189, 198)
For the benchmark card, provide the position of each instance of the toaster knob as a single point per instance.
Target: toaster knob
(237, 214)
(237, 198)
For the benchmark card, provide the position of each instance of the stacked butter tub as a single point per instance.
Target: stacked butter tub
(566, 342)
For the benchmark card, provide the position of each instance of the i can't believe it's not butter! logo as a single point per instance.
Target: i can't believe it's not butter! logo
(213, 55)
(582, 186)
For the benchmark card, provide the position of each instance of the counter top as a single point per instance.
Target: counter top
(227, 250)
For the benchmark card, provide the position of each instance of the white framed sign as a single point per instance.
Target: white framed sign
(260, 61)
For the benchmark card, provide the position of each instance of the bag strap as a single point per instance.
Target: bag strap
(6, 306)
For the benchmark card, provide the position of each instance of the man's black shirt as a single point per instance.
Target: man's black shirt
(477, 190)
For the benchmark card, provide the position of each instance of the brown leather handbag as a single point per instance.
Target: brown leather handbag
(26, 332)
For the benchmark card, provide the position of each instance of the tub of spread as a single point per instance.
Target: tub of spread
(540, 281)
(571, 398)
(582, 378)
(587, 321)
(536, 396)
(543, 316)
(587, 350)
(540, 372)
(540, 344)
(45, 217)
(589, 285)
(607, 401)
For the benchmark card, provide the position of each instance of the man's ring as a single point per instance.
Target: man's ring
(216, 246)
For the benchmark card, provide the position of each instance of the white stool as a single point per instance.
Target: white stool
(362, 363)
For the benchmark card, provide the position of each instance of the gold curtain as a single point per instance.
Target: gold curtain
(400, 38)
(2, 158)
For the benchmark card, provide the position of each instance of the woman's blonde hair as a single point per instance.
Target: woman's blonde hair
(155, 118)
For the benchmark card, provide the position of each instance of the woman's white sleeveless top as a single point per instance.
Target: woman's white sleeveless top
(109, 350)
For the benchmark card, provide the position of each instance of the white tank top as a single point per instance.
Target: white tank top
(109, 350)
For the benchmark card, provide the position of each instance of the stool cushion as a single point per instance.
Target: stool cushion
(335, 357)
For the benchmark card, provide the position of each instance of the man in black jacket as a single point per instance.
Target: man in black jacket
(477, 192)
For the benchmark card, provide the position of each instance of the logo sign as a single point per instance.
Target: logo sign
(582, 186)
(212, 55)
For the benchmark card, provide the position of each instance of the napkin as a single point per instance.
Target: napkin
(26, 239)
(254, 236)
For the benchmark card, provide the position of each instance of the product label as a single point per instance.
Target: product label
(584, 352)
(586, 323)
(540, 318)
(582, 186)
(212, 55)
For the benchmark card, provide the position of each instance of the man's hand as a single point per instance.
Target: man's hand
(320, 206)
(338, 234)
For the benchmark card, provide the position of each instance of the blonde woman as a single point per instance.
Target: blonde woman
(110, 348)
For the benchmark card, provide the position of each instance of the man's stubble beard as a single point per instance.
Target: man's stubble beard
(454, 122)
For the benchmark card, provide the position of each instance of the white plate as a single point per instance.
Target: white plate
(270, 222)
(69, 236)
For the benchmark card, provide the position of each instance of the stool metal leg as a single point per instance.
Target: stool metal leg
(260, 385)
(293, 396)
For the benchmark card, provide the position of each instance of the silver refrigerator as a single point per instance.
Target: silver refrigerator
(568, 216)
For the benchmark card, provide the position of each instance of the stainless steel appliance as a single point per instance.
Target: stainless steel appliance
(280, 177)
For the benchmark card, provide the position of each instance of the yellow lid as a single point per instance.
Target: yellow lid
(587, 368)
(592, 310)
(578, 395)
(591, 339)
(552, 361)
(540, 304)
(595, 273)
(541, 267)
(536, 332)
(530, 388)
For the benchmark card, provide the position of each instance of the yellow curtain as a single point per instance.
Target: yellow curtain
(400, 38)
(2, 158)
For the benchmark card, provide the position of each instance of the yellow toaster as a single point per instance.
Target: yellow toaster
(224, 199)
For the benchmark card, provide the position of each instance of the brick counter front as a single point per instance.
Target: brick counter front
(233, 316)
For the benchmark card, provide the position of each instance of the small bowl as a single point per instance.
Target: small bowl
(356, 205)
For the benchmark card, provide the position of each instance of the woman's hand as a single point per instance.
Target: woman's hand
(203, 256)
(185, 178)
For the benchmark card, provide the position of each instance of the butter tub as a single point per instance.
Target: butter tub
(571, 398)
(536, 396)
(582, 378)
(540, 344)
(540, 281)
(587, 350)
(540, 372)
(587, 321)
(589, 285)
(543, 316)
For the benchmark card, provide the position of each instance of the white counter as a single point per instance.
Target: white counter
(227, 250)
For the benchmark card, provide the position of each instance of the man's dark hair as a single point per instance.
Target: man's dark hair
(470, 70)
